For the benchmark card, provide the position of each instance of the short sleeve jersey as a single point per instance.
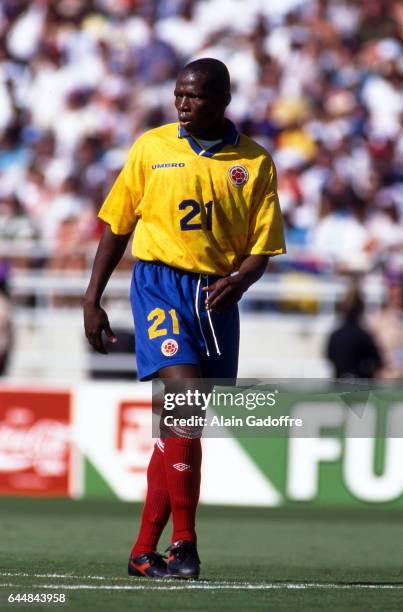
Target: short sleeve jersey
(197, 210)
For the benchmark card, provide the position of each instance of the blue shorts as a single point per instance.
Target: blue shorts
(172, 325)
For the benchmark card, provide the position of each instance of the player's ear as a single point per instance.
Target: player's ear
(227, 99)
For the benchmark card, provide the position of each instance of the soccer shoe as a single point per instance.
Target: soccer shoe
(148, 565)
(183, 560)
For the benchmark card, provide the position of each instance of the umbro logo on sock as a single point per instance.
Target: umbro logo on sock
(181, 467)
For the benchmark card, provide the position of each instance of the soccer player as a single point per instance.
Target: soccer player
(201, 199)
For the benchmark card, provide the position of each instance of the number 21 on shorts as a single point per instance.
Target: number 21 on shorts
(158, 317)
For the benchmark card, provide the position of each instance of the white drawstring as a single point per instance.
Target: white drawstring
(198, 314)
(217, 348)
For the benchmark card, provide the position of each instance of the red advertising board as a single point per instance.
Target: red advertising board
(35, 442)
(134, 440)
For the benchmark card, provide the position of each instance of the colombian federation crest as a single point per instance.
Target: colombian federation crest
(169, 347)
(238, 175)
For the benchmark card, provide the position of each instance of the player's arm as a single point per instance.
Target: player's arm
(110, 251)
(265, 238)
(225, 292)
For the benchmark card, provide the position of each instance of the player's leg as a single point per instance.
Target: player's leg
(158, 322)
(156, 511)
(183, 456)
(183, 453)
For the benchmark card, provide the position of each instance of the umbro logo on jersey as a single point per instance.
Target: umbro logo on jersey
(181, 467)
(171, 165)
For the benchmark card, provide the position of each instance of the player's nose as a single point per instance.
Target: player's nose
(184, 103)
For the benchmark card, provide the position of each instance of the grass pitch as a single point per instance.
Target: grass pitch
(252, 559)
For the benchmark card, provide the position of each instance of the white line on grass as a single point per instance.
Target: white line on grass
(203, 585)
(71, 576)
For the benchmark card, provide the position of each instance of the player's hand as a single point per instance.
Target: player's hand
(95, 322)
(224, 293)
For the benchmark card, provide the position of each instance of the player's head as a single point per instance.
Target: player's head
(202, 93)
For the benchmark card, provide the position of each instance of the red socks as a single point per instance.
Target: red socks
(173, 479)
(182, 459)
(156, 507)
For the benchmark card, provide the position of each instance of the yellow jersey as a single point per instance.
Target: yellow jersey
(200, 210)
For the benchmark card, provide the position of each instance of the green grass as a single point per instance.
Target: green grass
(245, 546)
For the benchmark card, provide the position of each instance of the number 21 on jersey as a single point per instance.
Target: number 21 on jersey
(195, 213)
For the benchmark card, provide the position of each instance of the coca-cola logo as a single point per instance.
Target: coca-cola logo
(133, 441)
(27, 443)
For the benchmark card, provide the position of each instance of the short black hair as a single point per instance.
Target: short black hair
(216, 73)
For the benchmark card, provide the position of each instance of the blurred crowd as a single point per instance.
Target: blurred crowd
(318, 82)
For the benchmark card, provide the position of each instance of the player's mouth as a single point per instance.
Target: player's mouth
(185, 120)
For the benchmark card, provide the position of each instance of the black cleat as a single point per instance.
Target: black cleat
(183, 560)
(148, 565)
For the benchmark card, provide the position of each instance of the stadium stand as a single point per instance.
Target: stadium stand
(318, 82)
